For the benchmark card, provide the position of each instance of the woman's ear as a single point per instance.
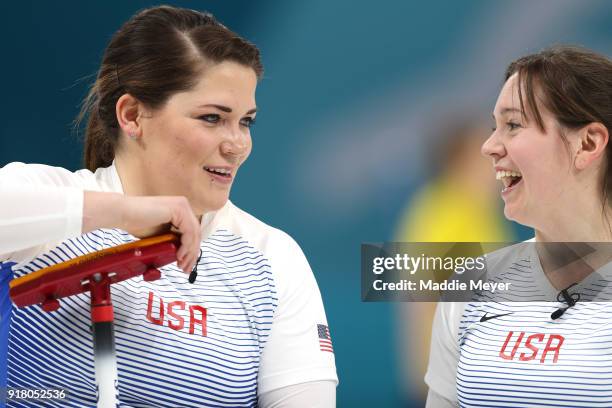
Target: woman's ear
(129, 111)
(592, 144)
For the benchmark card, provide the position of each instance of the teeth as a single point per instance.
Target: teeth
(507, 173)
(217, 170)
(506, 176)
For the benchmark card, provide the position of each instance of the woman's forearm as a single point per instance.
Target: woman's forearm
(32, 216)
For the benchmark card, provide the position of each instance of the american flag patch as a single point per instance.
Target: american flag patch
(325, 342)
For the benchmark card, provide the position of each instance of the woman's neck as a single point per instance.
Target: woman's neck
(566, 263)
(574, 243)
(131, 175)
(580, 224)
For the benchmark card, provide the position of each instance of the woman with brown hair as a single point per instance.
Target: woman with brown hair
(549, 345)
(168, 126)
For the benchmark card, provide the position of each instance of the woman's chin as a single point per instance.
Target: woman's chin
(512, 214)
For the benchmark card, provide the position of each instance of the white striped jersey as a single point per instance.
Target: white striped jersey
(505, 353)
(248, 325)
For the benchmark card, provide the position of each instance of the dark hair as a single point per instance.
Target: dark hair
(572, 83)
(158, 52)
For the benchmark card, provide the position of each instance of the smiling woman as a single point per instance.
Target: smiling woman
(551, 149)
(193, 145)
(551, 144)
(168, 126)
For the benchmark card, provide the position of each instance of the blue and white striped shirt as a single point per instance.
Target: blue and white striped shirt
(519, 356)
(248, 324)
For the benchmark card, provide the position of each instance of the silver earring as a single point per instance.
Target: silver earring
(132, 136)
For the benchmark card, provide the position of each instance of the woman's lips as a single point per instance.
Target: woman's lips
(511, 188)
(219, 177)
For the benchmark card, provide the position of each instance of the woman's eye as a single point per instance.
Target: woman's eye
(210, 118)
(247, 122)
(513, 125)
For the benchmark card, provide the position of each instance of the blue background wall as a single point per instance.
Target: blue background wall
(350, 92)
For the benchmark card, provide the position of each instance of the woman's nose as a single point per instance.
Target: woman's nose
(493, 147)
(235, 143)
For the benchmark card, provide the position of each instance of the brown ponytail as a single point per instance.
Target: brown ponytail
(99, 149)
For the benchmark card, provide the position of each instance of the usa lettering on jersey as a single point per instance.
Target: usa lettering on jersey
(546, 343)
(173, 314)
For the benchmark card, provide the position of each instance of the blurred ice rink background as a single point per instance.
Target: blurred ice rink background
(352, 101)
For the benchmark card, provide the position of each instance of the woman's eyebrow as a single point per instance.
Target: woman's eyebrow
(225, 108)
(507, 110)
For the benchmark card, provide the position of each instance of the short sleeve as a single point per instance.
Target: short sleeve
(435, 400)
(314, 394)
(299, 348)
(444, 353)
